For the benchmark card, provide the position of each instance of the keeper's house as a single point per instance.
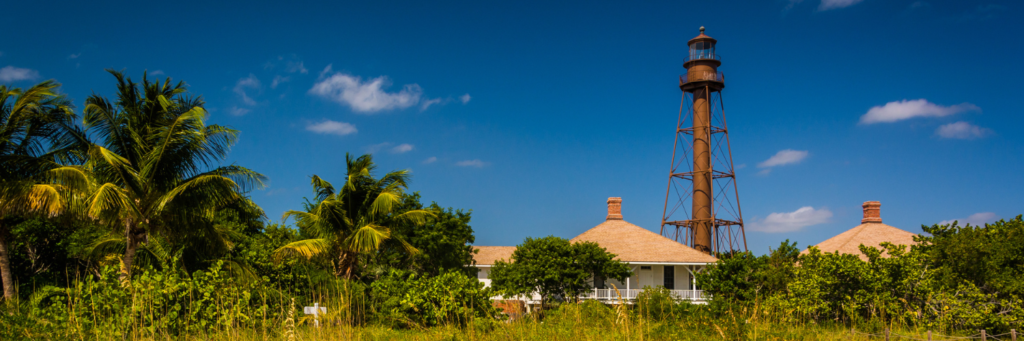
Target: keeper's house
(653, 259)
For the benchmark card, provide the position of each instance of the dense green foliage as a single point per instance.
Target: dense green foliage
(958, 278)
(408, 300)
(554, 268)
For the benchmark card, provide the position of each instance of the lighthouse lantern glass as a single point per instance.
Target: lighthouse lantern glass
(702, 50)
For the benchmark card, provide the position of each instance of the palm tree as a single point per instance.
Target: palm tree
(157, 164)
(37, 134)
(354, 220)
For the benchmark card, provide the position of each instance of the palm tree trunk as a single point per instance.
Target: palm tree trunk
(133, 236)
(345, 265)
(5, 265)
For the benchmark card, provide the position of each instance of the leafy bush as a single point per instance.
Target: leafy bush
(153, 303)
(408, 300)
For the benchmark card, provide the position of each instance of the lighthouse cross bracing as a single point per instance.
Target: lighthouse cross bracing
(702, 200)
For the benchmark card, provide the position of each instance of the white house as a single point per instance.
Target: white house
(653, 259)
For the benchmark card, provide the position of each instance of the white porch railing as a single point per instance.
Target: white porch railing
(631, 294)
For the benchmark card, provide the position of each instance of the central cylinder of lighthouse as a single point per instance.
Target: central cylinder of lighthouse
(703, 218)
(702, 79)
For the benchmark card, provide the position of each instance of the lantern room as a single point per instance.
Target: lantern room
(702, 48)
(702, 62)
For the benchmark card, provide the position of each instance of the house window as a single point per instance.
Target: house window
(645, 267)
(599, 282)
(670, 277)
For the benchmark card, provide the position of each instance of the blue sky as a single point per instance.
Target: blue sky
(532, 114)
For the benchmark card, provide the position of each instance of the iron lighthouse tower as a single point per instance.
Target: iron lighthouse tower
(702, 208)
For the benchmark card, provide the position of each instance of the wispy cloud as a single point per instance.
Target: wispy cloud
(277, 81)
(471, 163)
(430, 160)
(426, 104)
(332, 127)
(784, 157)
(402, 148)
(326, 71)
(374, 148)
(290, 64)
(907, 109)
(250, 82)
(791, 221)
(236, 111)
(962, 130)
(296, 66)
(75, 55)
(443, 101)
(12, 74)
(157, 73)
(836, 4)
(366, 97)
(977, 219)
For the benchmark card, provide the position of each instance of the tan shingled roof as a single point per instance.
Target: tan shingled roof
(487, 255)
(633, 243)
(869, 234)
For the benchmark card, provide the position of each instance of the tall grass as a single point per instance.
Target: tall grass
(207, 308)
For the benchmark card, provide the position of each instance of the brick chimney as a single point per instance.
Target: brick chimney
(871, 212)
(614, 208)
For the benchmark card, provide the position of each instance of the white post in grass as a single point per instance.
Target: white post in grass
(315, 310)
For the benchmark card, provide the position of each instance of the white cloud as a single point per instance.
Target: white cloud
(471, 163)
(75, 55)
(836, 4)
(236, 111)
(791, 221)
(157, 73)
(465, 98)
(402, 148)
(366, 97)
(332, 127)
(13, 74)
(430, 160)
(977, 219)
(250, 82)
(962, 130)
(277, 81)
(784, 157)
(907, 109)
(426, 104)
(325, 71)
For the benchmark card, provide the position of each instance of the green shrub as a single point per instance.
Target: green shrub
(153, 303)
(452, 298)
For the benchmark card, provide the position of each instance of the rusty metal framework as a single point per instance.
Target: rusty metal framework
(680, 220)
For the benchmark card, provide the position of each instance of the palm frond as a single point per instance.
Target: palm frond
(307, 249)
(367, 238)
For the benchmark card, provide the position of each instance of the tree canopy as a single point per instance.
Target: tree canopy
(554, 268)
